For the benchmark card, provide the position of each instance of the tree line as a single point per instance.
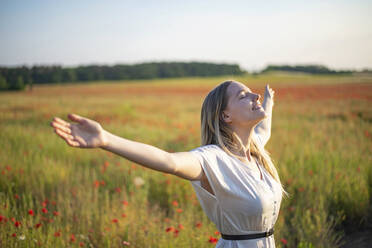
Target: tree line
(311, 69)
(17, 78)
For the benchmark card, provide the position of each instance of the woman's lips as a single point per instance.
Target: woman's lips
(256, 107)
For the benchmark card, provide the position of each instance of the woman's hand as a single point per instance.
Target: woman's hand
(269, 93)
(85, 133)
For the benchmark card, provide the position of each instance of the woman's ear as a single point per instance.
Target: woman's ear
(226, 117)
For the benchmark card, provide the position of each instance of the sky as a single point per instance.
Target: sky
(253, 34)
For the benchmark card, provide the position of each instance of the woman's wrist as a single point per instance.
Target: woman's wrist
(105, 139)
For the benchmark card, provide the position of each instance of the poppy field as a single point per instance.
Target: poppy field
(53, 195)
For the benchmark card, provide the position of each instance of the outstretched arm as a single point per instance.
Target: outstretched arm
(263, 129)
(89, 134)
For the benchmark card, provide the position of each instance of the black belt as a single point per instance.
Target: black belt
(248, 236)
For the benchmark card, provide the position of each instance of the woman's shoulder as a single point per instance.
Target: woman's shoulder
(205, 148)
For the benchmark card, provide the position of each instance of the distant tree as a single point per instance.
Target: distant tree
(3, 83)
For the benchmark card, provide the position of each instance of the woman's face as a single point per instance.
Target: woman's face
(244, 107)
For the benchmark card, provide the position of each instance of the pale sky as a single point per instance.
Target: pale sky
(253, 34)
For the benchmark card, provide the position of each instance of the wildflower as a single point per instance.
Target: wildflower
(55, 213)
(180, 226)
(125, 203)
(311, 172)
(169, 229)
(44, 203)
(96, 184)
(284, 241)
(301, 189)
(118, 190)
(179, 210)
(14, 235)
(102, 183)
(16, 196)
(198, 224)
(72, 238)
(212, 240)
(17, 224)
(176, 231)
(38, 225)
(175, 203)
(81, 244)
(123, 215)
(57, 234)
(54, 203)
(44, 210)
(217, 232)
(115, 221)
(138, 181)
(31, 212)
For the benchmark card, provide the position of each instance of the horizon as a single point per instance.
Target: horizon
(335, 34)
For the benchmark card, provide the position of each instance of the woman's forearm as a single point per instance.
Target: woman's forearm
(140, 153)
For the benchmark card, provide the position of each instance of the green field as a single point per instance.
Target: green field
(321, 144)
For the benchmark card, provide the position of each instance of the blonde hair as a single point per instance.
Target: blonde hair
(214, 130)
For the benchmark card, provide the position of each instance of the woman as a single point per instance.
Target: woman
(233, 176)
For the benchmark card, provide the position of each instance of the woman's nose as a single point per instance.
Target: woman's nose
(258, 97)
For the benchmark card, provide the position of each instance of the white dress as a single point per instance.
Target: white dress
(243, 203)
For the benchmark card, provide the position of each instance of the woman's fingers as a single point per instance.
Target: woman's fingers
(62, 122)
(75, 117)
(68, 138)
(61, 127)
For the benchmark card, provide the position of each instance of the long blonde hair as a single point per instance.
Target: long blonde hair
(214, 130)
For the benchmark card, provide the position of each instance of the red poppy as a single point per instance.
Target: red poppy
(72, 238)
(284, 241)
(125, 203)
(198, 225)
(180, 226)
(115, 221)
(81, 244)
(311, 172)
(96, 184)
(16, 196)
(55, 213)
(118, 190)
(17, 224)
(31, 212)
(212, 240)
(217, 232)
(102, 182)
(179, 210)
(57, 234)
(14, 235)
(44, 203)
(44, 210)
(175, 203)
(38, 225)
(169, 229)
(123, 215)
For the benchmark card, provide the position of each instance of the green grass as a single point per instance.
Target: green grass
(321, 148)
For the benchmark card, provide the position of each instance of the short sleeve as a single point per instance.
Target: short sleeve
(212, 163)
(207, 157)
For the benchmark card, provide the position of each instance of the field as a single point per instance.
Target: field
(53, 195)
